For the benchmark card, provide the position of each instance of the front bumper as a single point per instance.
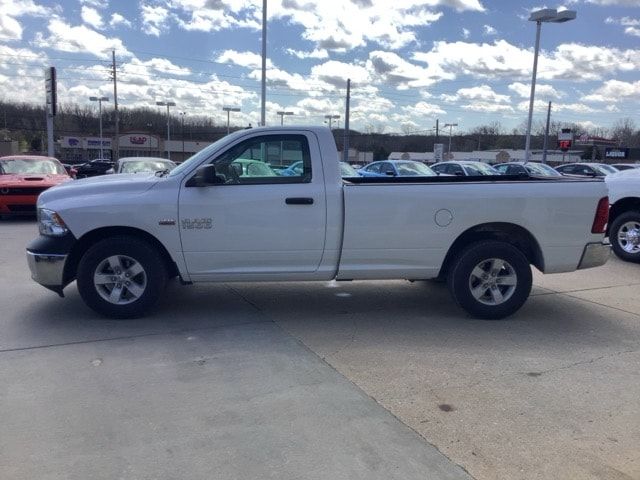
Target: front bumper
(47, 257)
(594, 255)
(47, 270)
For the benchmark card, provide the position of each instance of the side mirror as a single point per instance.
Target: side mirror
(205, 176)
(390, 173)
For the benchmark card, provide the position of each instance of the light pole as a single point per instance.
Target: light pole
(168, 104)
(450, 125)
(228, 110)
(331, 118)
(182, 114)
(100, 100)
(282, 114)
(546, 15)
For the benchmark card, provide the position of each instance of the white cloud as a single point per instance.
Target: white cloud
(465, 33)
(488, 107)
(67, 38)
(10, 28)
(631, 24)
(117, 19)
(336, 73)
(482, 93)
(92, 17)
(632, 31)
(396, 71)
(155, 19)
(541, 106)
(319, 53)
(615, 91)
(242, 59)
(542, 91)
(618, 3)
(422, 109)
(489, 30)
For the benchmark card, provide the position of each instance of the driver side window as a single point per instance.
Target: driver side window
(261, 160)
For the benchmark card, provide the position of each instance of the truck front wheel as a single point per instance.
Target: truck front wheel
(490, 279)
(121, 277)
(624, 236)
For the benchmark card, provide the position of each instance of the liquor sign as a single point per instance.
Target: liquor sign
(616, 153)
(438, 149)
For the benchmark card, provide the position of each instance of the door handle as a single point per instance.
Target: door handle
(299, 201)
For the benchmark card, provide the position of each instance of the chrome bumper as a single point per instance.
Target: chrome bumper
(594, 255)
(47, 270)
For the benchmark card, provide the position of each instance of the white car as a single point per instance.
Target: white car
(144, 165)
(121, 237)
(624, 217)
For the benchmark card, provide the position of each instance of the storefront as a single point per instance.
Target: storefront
(82, 149)
(138, 144)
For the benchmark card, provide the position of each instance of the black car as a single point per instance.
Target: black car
(599, 170)
(93, 168)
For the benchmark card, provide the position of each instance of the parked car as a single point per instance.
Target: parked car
(599, 170)
(143, 165)
(23, 178)
(624, 216)
(99, 166)
(625, 166)
(396, 168)
(529, 168)
(196, 224)
(295, 168)
(464, 168)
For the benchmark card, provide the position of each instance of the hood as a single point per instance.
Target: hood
(32, 180)
(625, 176)
(107, 184)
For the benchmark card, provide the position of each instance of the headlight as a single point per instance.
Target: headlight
(50, 223)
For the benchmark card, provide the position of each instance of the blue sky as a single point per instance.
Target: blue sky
(411, 61)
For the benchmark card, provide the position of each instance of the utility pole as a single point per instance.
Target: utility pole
(116, 147)
(263, 86)
(437, 130)
(345, 148)
(546, 135)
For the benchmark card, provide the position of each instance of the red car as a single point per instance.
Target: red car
(23, 178)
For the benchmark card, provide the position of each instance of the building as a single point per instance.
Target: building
(356, 157)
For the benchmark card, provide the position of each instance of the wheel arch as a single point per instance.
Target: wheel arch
(621, 206)
(510, 233)
(93, 236)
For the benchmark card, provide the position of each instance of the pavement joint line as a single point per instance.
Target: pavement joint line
(635, 314)
(365, 393)
(587, 362)
(256, 307)
(128, 337)
(551, 291)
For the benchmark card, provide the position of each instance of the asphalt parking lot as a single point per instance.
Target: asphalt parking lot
(326, 380)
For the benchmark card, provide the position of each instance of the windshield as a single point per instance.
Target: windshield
(26, 166)
(198, 157)
(605, 169)
(135, 166)
(480, 169)
(414, 168)
(347, 170)
(542, 169)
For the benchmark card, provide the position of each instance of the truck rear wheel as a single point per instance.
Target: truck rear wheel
(624, 236)
(490, 279)
(121, 277)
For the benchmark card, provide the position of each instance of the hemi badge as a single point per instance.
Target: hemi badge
(167, 222)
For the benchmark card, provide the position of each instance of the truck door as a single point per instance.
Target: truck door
(257, 222)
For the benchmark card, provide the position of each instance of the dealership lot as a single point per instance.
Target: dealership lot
(326, 380)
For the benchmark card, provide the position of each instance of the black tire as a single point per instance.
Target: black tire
(463, 282)
(622, 222)
(146, 287)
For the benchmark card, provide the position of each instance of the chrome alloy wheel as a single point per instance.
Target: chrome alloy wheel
(120, 279)
(493, 281)
(629, 237)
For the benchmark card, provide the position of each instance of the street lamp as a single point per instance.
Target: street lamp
(450, 125)
(100, 100)
(331, 118)
(282, 114)
(182, 114)
(546, 15)
(168, 104)
(228, 110)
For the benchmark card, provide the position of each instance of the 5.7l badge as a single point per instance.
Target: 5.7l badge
(197, 223)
